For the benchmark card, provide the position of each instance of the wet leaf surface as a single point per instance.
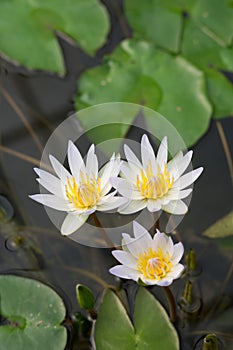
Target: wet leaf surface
(33, 314)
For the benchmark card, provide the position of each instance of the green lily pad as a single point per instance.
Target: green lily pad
(221, 228)
(152, 328)
(168, 84)
(32, 26)
(221, 93)
(32, 314)
(157, 21)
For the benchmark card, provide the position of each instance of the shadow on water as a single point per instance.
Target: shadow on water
(31, 246)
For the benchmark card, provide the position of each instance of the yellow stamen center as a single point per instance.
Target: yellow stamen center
(154, 265)
(152, 185)
(85, 194)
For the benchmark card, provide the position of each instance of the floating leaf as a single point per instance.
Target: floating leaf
(31, 315)
(114, 329)
(157, 21)
(85, 297)
(221, 92)
(32, 26)
(221, 228)
(156, 330)
(134, 64)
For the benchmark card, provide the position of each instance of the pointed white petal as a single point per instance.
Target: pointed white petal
(125, 258)
(92, 162)
(175, 207)
(175, 194)
(125, 188)
(177, 166)
(176, 271)
(132, 159)
(162, 153)
(132, 207)
(160, 241)
(50, 182)
(188, 179)
(61, 172)
(147, 153)
(56, 188)
(153, 205)
(75, 160)
(134, 245)
(127, 173)
(164, 282)
(178, 253)
(112, 203)
(125, 272)
(141, 233)
(52, 201)
(111, 169)
(72, 223)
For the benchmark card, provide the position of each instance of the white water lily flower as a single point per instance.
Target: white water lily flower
(81, 192)
(155, 183)
(150, 260)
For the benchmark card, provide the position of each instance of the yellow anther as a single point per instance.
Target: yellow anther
(152, 185)
(86, 193)
(154, 264)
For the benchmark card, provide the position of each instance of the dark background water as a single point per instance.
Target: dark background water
(45, 100)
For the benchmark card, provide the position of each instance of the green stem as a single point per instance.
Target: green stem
(171, 303)
(103, 233)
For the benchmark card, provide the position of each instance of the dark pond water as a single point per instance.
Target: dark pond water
(42, 253)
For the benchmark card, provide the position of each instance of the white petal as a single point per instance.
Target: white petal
(52, 201)
(162, 153)
(125, 258)
(176, 271)
(175, 194)
(160, 241)
(178, 253)
(153, 205)
(175, 207)
(147, 153)
(53, 187)
(132, 207)
(125, 188)
(112, 203)
(132, 159)
(127, 173)
(92, 162)
(134, 245)
(111, 169)
(75, 160)
(50, 182)
(188, 178)
(166, 281)
(141, 233)
(72, 223)
(125, 272)
(61, 172)
(178, 165)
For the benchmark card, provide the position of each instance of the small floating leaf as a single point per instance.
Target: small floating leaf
(32, 314)
(221, 228)
(85, 297)
(152, 328)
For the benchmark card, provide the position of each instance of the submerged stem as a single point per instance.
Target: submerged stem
(104, 235)
(171, 303)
